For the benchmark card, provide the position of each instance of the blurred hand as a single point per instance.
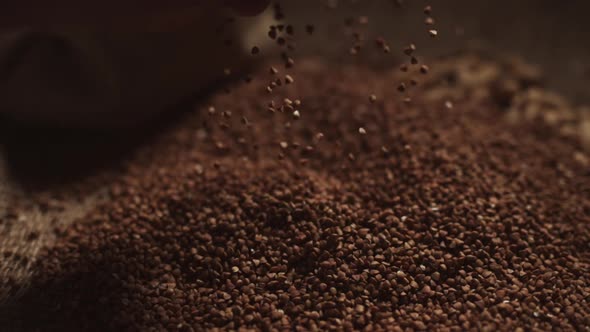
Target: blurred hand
(39, 13)
(109, 64)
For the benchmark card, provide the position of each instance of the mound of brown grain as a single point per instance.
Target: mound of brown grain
(286, 215)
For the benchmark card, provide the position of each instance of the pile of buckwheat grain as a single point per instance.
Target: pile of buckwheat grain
(336, 206)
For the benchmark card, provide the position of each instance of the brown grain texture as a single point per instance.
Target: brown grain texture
(437, 217)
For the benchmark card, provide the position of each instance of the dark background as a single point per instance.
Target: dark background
(555, 35)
